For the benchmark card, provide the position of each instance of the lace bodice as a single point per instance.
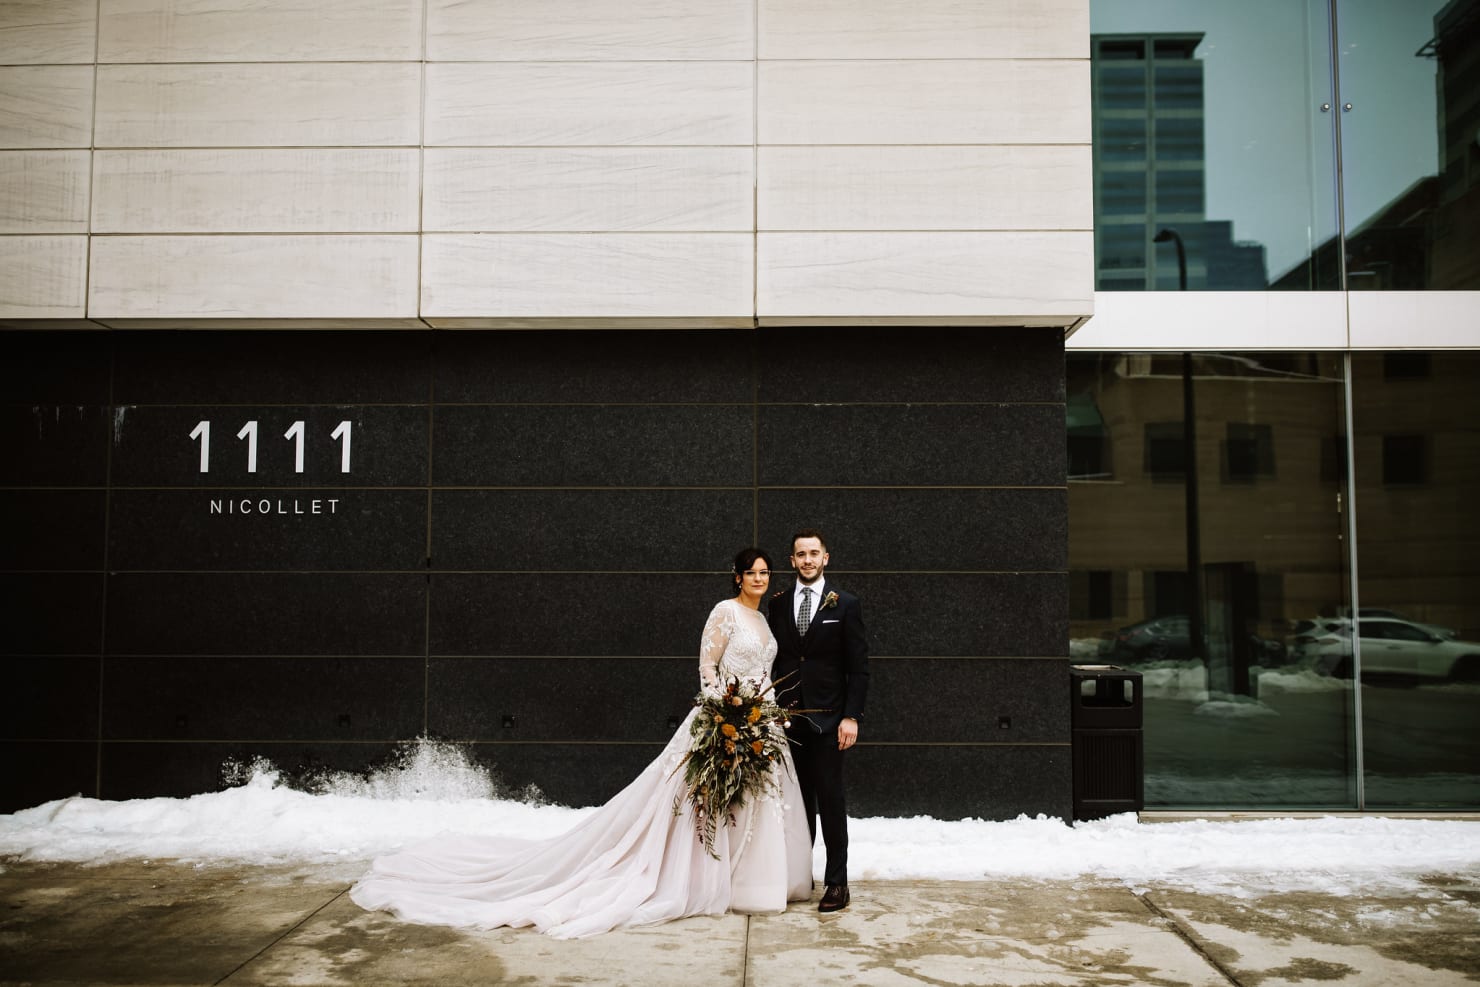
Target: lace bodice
(737, 643)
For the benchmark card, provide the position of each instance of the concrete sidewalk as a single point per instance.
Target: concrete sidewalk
(166, 923)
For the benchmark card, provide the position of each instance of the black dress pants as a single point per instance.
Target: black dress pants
(820, 774)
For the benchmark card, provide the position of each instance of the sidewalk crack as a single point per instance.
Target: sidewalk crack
(1186, 936)
(286, 933)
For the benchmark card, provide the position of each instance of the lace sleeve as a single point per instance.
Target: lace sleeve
(717, 630)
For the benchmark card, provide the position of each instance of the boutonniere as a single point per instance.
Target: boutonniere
(829, 601)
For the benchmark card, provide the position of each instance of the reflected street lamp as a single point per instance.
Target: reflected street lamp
(1167, 233)
(1195, 631)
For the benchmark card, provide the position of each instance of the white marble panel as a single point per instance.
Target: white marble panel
(597, 275)
(258, 105)
(253, 277)
(46, 106)
(589, 189)
(590, 30)
(50, 32)
(1214, 320)
(925, 102)
(1392, 320)
(260, 31)
(534, 103)
(961, 277)
(924, 29)
(43, 191)
(925, 188)
(267, 190)
(43, 277)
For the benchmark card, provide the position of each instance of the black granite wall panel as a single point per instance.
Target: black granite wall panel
(267, 368)
(967, 701)
(54, 445)
(593, 445)
(960, 781)
(133, 769)
(911, 445)
(286, 613)
(38, 771)
(52, 529)
(49, 697)
(568, 774)
(205, 446)
(921, 365)
(999, 614)
(52, 613)
(559, 699)
(615, 530)
(252, 529)
(223, 698)
(579, 367)
(514, 544)
(62, 368)
(561, 613)
(909, 530)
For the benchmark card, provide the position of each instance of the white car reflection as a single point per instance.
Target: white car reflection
(1394, 647)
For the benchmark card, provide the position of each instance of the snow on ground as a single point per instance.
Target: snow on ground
(435, 788)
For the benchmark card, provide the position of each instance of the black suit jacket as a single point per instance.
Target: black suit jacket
(828, 668)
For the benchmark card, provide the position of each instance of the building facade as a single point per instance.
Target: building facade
(378, 369)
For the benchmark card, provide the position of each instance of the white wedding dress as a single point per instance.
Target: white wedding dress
(632, 861)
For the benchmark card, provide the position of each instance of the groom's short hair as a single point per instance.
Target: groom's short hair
(807, 533)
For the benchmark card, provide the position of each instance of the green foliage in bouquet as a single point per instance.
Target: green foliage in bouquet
(737, 744)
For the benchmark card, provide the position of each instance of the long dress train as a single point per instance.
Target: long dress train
(631, 862)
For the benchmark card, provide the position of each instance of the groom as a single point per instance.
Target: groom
(820, 647)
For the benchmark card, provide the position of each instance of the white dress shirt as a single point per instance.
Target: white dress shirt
(817, 597)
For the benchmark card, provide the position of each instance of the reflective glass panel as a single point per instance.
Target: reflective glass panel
(1418, 565)
(1208, 123)
(1247, 673)
(1409, 77)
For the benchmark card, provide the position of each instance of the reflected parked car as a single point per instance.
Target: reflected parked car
(1434, 629)
(1400, 647)
(1150, 640)
(1325, 644)
(1390, 647)
(1170, 638)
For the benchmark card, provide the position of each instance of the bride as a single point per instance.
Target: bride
(635, 860)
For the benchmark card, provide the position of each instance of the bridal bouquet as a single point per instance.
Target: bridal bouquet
(735, 745)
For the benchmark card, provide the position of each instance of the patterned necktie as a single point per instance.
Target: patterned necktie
(804, 615)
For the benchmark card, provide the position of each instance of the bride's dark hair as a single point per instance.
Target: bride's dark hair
(744, 559)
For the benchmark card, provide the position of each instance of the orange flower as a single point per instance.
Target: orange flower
(735, 700)
(759, 746)
(755, 714)
(729, 730)
(729, 747)
(718, 718)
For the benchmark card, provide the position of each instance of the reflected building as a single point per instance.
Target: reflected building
(1150, 170)
(1424, 237)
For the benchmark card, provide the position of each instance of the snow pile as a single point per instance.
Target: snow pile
(435, 788)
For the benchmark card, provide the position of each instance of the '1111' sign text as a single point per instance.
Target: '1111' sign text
(295, 433)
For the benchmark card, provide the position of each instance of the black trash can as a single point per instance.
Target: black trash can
(1107, 743)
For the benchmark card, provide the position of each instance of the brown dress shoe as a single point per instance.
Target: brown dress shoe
(834, 899)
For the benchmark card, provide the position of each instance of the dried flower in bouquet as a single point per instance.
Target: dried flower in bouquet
(737, 741)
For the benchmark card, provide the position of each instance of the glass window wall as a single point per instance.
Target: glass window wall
(1212, 112)
(1248, 688)
(1417, 466)
(1409, 76)
(1229, 117)
(1263, 682)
